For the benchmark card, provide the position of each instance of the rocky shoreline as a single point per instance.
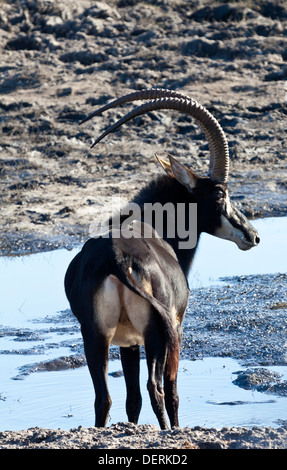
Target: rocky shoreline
(129, 436)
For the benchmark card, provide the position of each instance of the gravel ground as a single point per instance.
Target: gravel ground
(130, 436)
(58, 60)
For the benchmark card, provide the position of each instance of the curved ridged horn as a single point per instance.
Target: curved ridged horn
(152, 94)
(217, 142)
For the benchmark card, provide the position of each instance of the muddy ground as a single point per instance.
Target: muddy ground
(59, 60)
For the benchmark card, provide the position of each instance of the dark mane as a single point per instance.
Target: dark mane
(161, 189)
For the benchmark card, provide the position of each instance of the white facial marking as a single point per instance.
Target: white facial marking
(228, 232)
(228, 204)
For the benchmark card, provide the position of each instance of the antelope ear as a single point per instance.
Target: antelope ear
(183, 174)
(166, 165)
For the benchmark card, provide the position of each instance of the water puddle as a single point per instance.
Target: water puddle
(207, 398)
(216, 258)
(36, 326)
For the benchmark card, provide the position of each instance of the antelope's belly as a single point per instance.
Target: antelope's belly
(126, 336)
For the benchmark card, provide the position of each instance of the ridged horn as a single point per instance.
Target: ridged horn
(216, 138)
(151, 94)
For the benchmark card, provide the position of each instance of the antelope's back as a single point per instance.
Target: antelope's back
(147, 265)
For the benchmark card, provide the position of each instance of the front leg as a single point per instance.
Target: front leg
(130, 358)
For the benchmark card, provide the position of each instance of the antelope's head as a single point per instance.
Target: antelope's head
(222, 219)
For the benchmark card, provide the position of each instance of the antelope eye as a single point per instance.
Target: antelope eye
(220, 196)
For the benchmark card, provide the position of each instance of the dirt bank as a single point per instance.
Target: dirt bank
(130, 436)
(59, 59)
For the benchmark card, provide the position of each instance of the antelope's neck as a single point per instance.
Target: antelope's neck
(164, 205)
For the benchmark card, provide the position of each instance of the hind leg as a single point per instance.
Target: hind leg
(171, 400)
(170, 387)
(97, 354)
(156, 356)
(130, 358)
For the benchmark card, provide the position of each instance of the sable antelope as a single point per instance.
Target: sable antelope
(131, 291)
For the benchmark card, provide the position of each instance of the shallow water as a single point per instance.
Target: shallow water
(217, 258)
(207, 398)
(32, 294)
(32, 285)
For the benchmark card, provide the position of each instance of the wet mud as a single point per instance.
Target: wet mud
(245, 319)
(60, 60)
